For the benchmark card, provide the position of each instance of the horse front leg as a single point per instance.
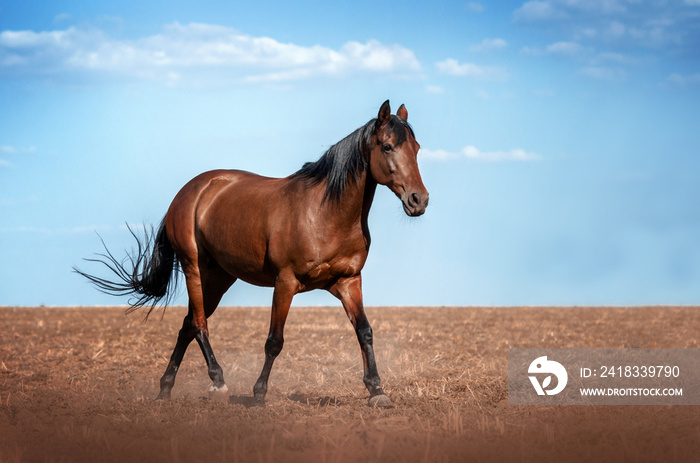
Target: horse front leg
(281, 301)
(349, 291)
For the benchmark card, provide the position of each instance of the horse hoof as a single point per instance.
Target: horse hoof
(218, 394)
(380, 401)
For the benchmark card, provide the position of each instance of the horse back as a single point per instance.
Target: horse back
(254, 227)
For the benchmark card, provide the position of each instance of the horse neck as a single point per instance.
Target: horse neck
(356, 201)
(368, 196)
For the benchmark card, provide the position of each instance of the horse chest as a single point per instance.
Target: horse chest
(319, 275)
(340, 258)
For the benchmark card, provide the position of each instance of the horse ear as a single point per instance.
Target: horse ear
(402, 113)
(384, 113)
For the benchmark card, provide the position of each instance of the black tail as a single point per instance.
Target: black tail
(146, 272)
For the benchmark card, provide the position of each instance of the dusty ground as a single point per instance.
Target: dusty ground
(77, 384)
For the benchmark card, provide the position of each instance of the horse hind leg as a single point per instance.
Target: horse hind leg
(205, 289)
(215, 282)
(184, 338)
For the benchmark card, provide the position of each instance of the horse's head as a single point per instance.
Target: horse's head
(393, 159)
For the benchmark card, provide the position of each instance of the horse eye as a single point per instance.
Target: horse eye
(386, 148)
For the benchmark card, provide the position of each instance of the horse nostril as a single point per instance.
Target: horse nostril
(415, 198)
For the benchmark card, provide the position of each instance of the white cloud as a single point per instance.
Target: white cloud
(488, 45)
(604, 66)
(475, 7)
(77, 230)
(622, 59)
(453, 67)
(683, 80)
(616, 29)
(6, 149)
(605, 73)
(473, 153)
(434, 89)
(600, 6)
(483, 94)
(61, 18)
(374, 56)
(532, 51)
(538, 11)
(651, 25)
(558, 48)
(554, 10)
(565, 48)
(183, 50)
(13, 151)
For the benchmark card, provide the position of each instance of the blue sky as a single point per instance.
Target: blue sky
(559, 138)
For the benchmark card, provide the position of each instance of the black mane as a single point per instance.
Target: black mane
(344, 162)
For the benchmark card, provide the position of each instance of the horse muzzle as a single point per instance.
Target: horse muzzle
(415, 202)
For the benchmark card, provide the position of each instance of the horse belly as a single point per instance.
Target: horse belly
(245, 265)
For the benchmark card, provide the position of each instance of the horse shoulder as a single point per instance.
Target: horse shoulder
(316, 247)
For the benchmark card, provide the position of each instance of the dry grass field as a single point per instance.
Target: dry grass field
(77, 384)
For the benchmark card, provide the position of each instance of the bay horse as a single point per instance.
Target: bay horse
(303, 232)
